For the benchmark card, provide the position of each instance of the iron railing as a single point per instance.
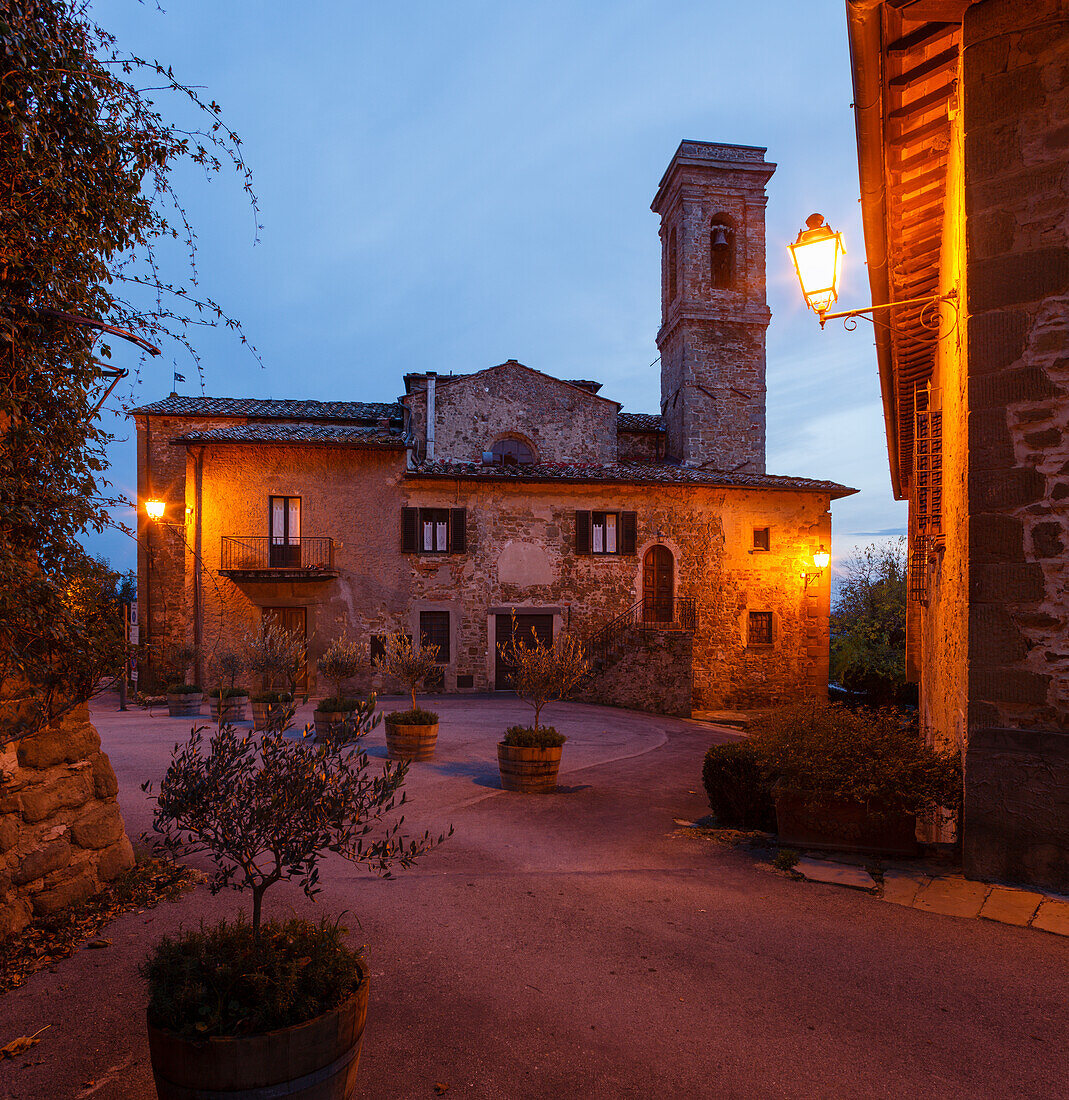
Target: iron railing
(650, 613)
(253, 554)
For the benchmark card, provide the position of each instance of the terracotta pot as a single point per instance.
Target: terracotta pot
(185, 704)
(528, 770)
(233, 708)
(815, 820)
(326, 720)
(411, 742)
(316, 1060)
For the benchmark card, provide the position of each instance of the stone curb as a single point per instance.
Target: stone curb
(948, 895)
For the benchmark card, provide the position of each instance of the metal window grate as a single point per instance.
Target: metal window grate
(917, 580)
(760, 628)
(927, 465)
(434, 630)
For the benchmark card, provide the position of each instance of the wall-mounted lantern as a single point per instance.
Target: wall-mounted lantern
(821, 561)
(817, 256)
(155, 509)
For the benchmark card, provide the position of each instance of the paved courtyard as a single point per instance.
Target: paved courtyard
(582, 944)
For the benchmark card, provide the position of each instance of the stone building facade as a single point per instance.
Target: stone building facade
(477, 495)
(964, 154)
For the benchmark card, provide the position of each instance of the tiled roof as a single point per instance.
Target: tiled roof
(653, 473)
(639, 422)
(272, 410)
(297, 433)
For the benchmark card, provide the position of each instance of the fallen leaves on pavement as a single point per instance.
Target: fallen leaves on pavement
(21, 1044)
(49, 939)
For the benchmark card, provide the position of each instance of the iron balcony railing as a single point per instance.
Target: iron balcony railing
(650, 613)
(253, 554)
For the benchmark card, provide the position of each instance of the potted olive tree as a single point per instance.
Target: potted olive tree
(341, 661)
(853, 780)
(265, 1007)
(274, 654)
(183, 700)
(226, 700)
(529, 756)
(410, 734)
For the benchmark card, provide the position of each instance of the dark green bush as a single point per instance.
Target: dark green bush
(417, 717)
(228, 693)
(183, 689)
(871, 756)
(272, 697)
(218, 981)
(527, 737)
(740, 793)
(337, 703)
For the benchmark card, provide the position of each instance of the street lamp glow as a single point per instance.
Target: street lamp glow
(822, 559)
(155, 509)
(817, 256)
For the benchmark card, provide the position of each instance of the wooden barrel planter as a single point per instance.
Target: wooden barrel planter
(528, 770)
(233, 708)
(411, 742)
(268, 715)
(316, 1060)
(184, 704)
(326, 720)
(814, 820)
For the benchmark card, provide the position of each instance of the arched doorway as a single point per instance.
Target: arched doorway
(658, 584)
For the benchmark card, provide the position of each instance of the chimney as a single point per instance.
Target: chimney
(431, 378)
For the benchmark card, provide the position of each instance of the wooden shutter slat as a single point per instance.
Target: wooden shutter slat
(458, 530)
(628, 532)
(582, 532)
(409, 530)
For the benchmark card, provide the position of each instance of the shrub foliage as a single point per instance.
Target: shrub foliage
(739, 787)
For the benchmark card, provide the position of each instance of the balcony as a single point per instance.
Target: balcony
(251, 558)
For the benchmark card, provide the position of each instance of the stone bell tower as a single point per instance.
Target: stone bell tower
(711, 201)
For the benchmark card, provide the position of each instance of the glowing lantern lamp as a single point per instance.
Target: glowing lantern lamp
(822, 559)
(155, 509)
(817, 256)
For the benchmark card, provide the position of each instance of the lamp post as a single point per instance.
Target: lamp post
(817, 254)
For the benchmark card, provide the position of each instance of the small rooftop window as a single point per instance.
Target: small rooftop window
(512, 452)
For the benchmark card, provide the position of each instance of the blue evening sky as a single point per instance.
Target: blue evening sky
(446, 185)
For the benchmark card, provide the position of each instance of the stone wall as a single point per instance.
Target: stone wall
(61, 834)
(562, 422)
(1015, 100)
(654, 672)
(1017, 807)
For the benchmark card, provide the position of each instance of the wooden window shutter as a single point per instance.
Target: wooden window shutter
(458, 530)
(409, 530)
(628, 532)
(582, 532)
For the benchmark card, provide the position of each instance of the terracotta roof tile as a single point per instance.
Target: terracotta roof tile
(272, 410)
(363, 436)
(638, 473)
(639, 422)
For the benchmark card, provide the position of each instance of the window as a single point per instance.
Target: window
(722, 253)
(762, 539)
(605, 532)
(760, 628)
(378, 648)
(284, 527)
(434, 530)
(512, 452)
(434, 630)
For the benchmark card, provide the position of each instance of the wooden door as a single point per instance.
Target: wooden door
(542, 625)
(295, 620)
(658, 588)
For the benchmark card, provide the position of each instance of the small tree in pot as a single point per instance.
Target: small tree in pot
(274, 654)
(529, 756)
(254, 1006)
(226, 699)
(410, 734)
(342, 660)
(183, 700)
